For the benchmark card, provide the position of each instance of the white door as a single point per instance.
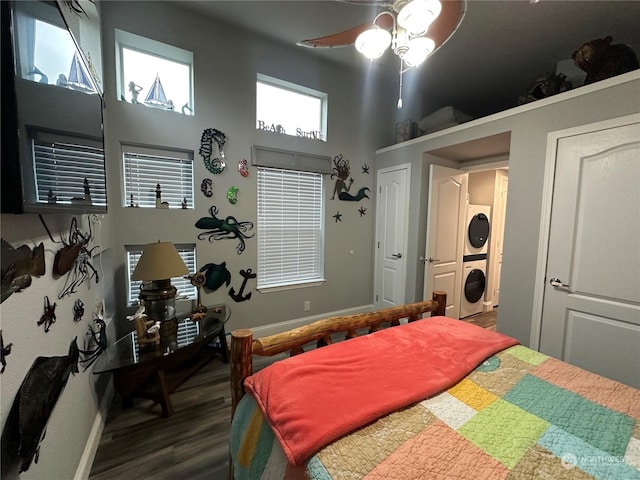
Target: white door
(591, 304)
(445, 235)
(391, 235)
(497, 235)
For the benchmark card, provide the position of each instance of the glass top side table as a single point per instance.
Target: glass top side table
(155, 372)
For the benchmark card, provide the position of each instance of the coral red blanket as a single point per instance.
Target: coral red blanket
(313, 399)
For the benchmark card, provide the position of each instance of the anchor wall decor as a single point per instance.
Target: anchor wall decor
(246, 274)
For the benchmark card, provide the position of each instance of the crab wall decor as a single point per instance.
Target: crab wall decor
(48, 317)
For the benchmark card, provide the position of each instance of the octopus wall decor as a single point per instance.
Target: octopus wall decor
(227, 228)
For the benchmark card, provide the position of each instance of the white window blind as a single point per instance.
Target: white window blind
(144, 168)
(183, 285)
(61, 166)
(290, 228)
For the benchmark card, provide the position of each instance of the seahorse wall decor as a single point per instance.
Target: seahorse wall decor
(342, 171)
(213, 156)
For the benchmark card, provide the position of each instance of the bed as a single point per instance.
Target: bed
(432, 398)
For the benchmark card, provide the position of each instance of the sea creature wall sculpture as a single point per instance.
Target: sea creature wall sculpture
(219, 229)
(48, 317)
(213, 155)
(25, 425)
(216, 275)
(4, 352)
(18, 266)
(73, 259)
(96, 343)
(342, 171)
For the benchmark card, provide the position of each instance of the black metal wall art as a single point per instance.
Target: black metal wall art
(227, 228)
(213, 155)
(32, 406)
(4, 352)
(239, 297)
(342, 171)
(18, 266)
(48, 317)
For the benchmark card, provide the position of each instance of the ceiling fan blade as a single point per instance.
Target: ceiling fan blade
(439, 31)
(346, 38)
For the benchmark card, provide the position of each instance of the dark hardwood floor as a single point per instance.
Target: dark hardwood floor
(138, 443)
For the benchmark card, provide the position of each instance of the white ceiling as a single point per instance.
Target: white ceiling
(500, 48)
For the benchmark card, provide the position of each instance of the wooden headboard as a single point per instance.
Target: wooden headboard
(243, 346)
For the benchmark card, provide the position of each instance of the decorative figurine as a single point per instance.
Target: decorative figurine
(184, 203)
(159, 202)
(131, 203)
(146, 334)
(198, 281)
(338, 216)
(135, 91)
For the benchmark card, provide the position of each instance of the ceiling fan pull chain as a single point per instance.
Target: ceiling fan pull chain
(400, 93)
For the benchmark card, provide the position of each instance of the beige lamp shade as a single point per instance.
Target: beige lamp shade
(159, 261)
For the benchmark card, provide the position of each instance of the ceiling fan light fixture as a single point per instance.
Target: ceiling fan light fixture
(418, 50)
(373, 42)
(417, 15)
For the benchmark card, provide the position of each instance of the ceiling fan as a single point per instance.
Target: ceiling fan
(414, 29)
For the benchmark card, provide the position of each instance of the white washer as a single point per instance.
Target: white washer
(477, 229)
(474, 284)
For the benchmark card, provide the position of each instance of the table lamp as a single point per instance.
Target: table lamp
(158, 264)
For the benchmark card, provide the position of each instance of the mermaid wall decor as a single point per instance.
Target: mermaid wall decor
(342, 171)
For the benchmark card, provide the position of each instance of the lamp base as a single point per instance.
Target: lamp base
(159, 298)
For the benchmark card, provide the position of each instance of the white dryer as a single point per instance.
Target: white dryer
(474, 283)
(476, 238)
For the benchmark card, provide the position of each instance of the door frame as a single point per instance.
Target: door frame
(376, 272)
(545, 218)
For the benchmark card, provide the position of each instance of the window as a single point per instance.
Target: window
(145, 168)
(290, 228)
(154, 74)
(46, 53)
(185, 289)
(68, 169)
(290, 109)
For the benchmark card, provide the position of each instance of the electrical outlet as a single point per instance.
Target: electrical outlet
(307, 305)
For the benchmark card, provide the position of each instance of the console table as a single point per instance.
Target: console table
(155, 373)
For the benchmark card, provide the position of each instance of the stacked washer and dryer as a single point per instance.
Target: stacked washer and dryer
(474, 266)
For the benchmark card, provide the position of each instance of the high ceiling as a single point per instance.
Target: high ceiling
(500, 48)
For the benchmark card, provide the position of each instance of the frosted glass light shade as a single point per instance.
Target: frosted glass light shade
(419, 50)
(417, 15)
(159, 261)
(373, 42)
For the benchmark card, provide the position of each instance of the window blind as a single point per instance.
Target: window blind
(290, 227)
(144, 168)
(183, 285)
(61, 167)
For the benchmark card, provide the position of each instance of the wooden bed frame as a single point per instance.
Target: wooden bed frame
(243, 346)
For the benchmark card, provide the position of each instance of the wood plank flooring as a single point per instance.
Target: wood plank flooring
(138, 443)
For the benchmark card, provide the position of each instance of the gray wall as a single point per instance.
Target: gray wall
(226, 63)
(529, 126)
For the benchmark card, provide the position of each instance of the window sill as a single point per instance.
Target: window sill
(280, 288)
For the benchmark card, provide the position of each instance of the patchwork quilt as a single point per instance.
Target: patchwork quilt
(519, 415)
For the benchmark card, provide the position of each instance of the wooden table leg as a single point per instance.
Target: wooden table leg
(222, 336)
(163, 395)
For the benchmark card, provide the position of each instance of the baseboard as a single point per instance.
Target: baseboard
(487, 306)
(86, 461)
(279, 327)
